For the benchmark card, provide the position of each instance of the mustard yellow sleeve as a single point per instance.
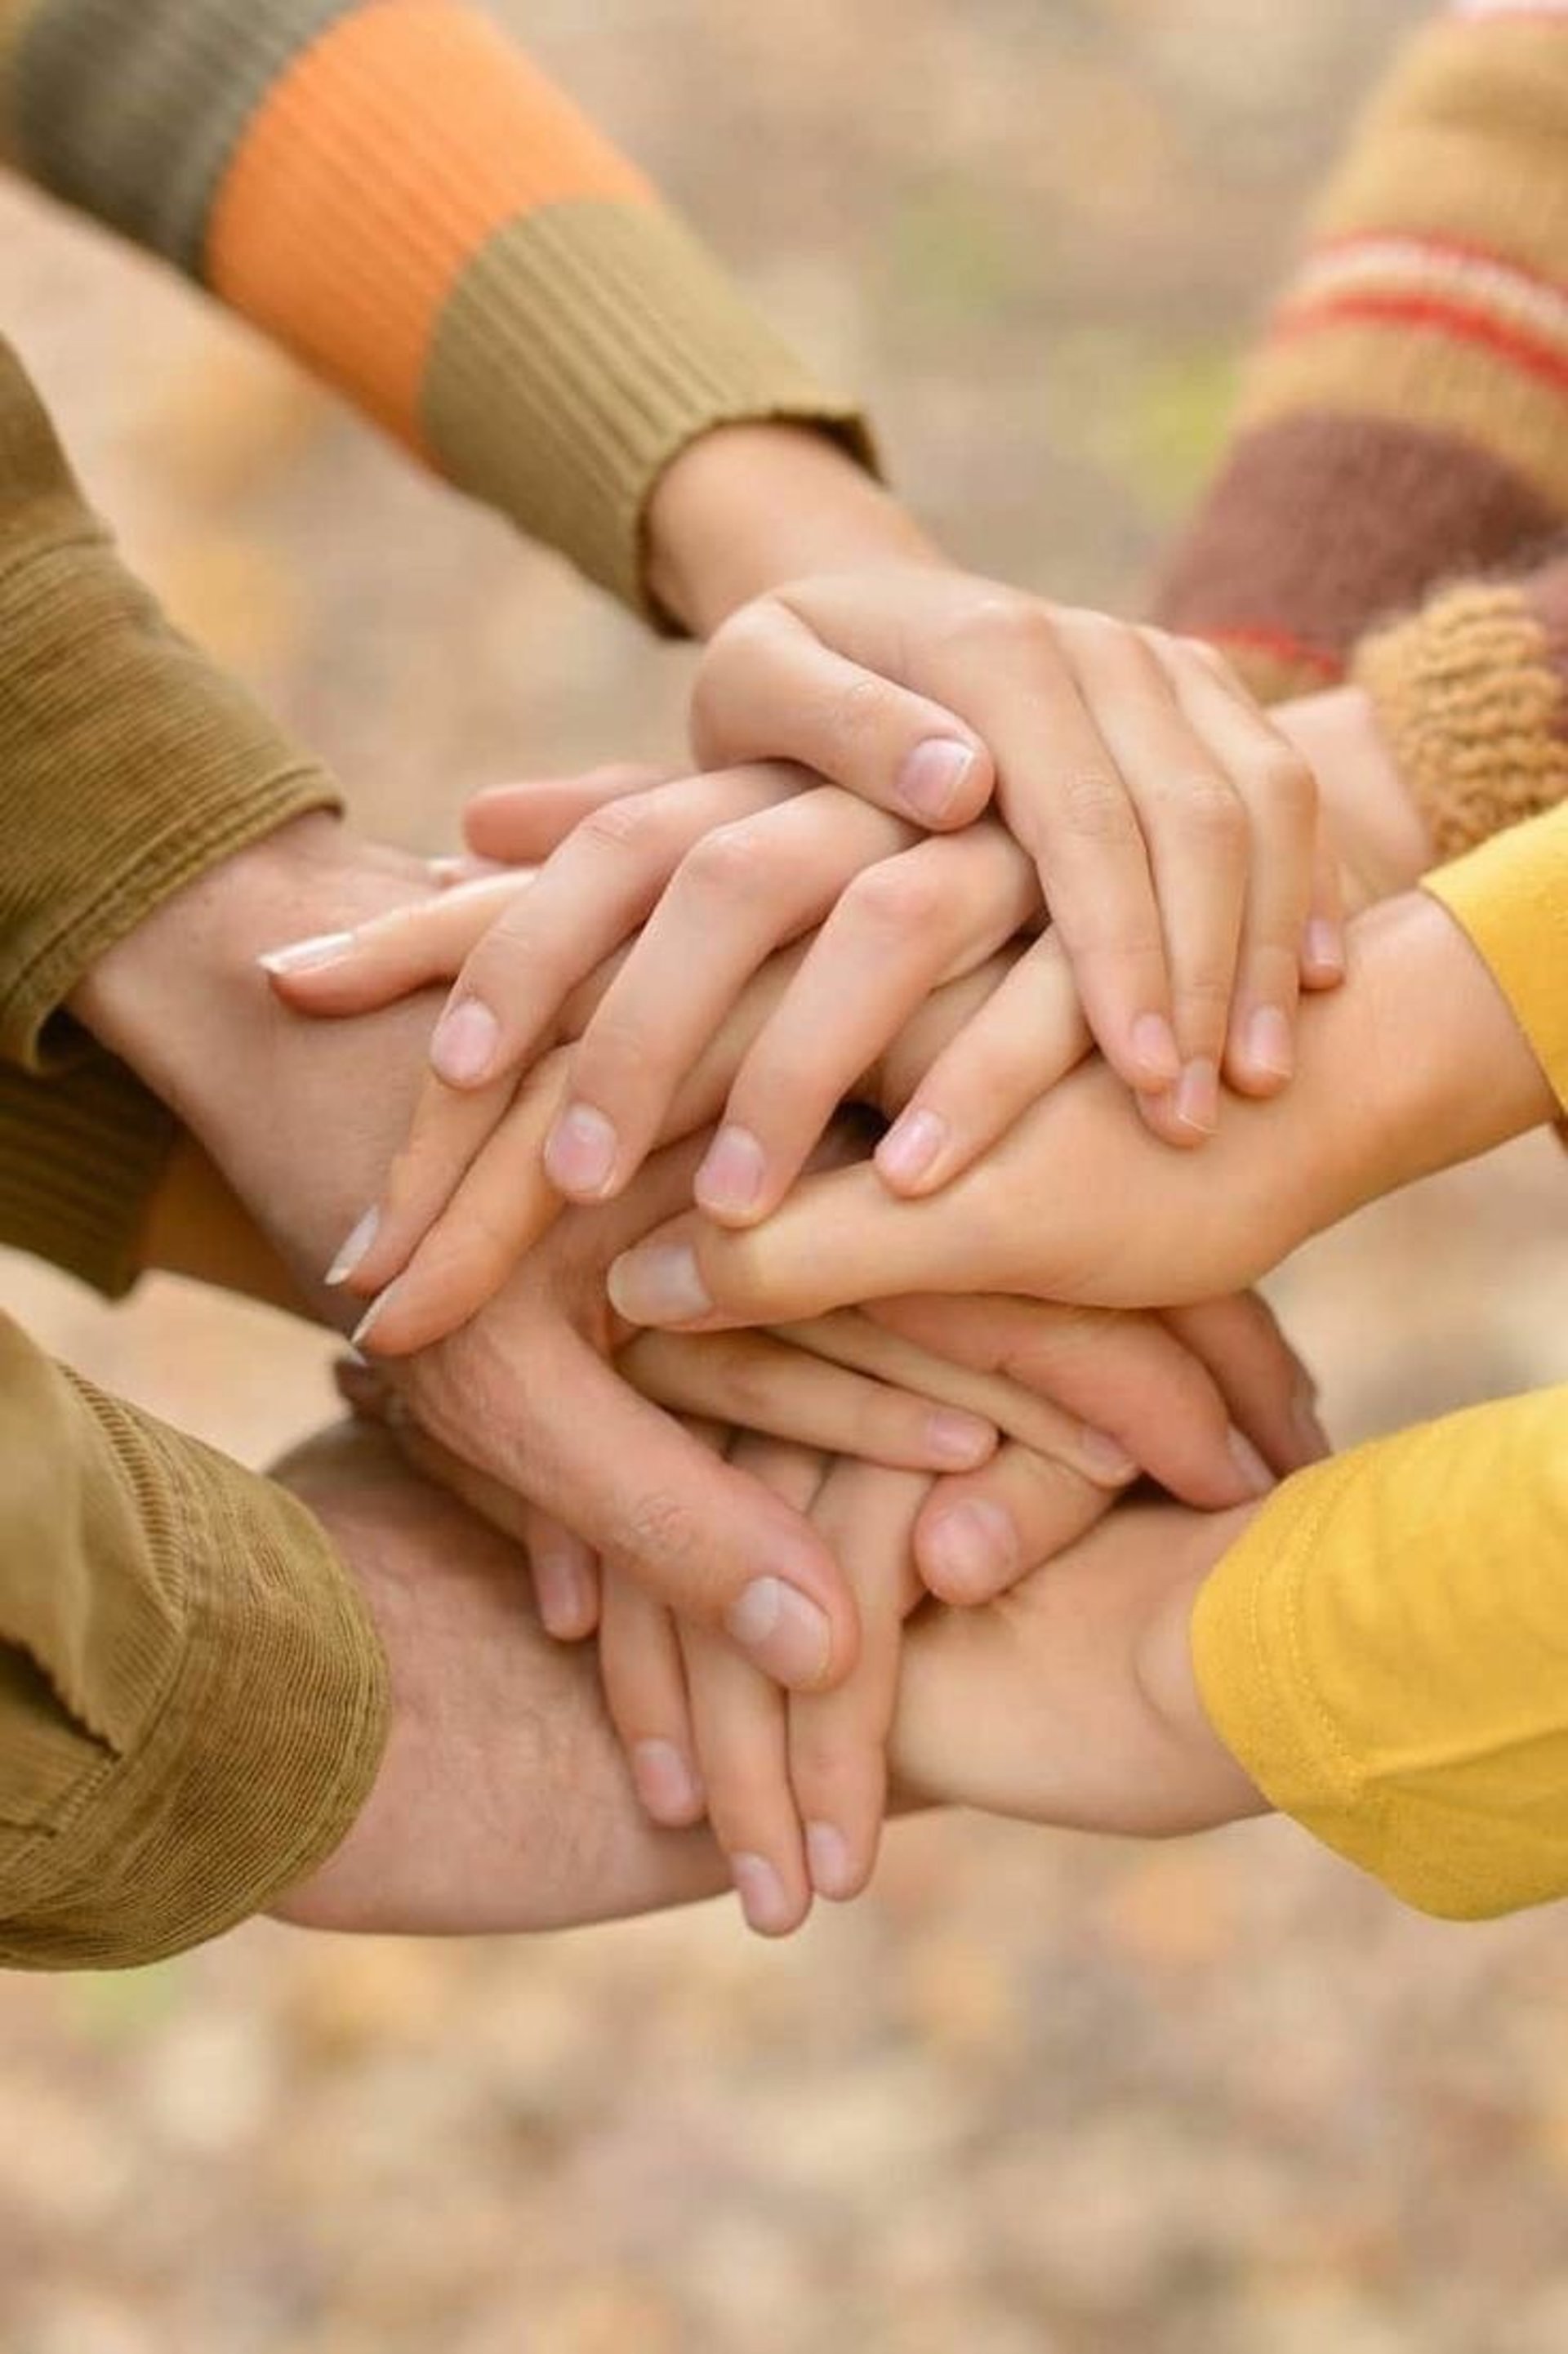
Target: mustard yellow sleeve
(1511, 897)
(192, 1701)
(1386, 1653)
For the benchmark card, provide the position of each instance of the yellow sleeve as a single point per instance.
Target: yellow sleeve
(1386, 1653)
(1511, 897)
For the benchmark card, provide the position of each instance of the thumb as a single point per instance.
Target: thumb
(840, 1239)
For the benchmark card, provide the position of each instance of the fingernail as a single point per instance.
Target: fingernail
(1198, 1098)
(361, 1333)
(561, 1590)
(355, 1248)
(968, 1551)
(732, 1173)
(463, 1047)
(579, 1152)
(1325, 945)
(1268, 1043)
(786, 1633)
(932, 776)
(828, 1860)
(761, 1894)
(911, 1145)
(665, 1782)
(1250, 1464)
(959, 1438)
(658, 1283)
(1154, 1043)
(303, 956)
(1106, 1458)
(1309, 1429)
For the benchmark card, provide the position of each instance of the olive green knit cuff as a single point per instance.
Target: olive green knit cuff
(1471, 694)
(80, 1157)
(581, 351)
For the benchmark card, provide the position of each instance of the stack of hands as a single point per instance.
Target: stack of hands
(818, 1224)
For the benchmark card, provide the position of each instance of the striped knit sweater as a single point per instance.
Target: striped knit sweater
(393, 191)
(1401, 441)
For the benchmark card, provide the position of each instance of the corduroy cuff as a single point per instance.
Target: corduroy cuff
(80, 1157)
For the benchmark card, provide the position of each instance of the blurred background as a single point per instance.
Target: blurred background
(1037, 2094)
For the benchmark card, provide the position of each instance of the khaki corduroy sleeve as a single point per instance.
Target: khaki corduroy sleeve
(192, 1701)
(129, 764)
(392, 189)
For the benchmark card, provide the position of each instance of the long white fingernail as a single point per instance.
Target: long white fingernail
(362, 1331)
(303, 956)
(355, 1248)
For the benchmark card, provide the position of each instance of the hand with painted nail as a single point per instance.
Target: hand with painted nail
(1173, 825)
(1080, 1204)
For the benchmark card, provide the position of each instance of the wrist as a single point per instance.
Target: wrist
(1442, 1069)
(746, 507)
(1373, 820)
(302, 1118)
(1166, 1671)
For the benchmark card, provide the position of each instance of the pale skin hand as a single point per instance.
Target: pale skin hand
(877, 961)
(503, 1803)
(1078, 1203)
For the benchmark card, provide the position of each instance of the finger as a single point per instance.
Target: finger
(851, 1337)
(979, 1532)
(838, 1741)
(900, 928)
(525, 822)
(743, 890)
(1194, 824)
(465, 1198)
(587, 897)
(642, 1669)
(566, 1572)
(1279, 794)
(761, 1383)
(769, 688)
(1269, 1392)
(1030, 1033)
(1323, 943)
(1146, 1400)
(704, 1538)
(837, 1240)
(740, 1729)
(390, 956)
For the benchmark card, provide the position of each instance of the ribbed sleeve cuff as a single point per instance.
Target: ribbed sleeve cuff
(233, 1742)
(80, 1157)
(580, 352)
(1470, 694)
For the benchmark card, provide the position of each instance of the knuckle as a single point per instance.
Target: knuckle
(660, 1527)
(895, 896)
(619, 828)
(1287, 783)
(1207, 808)
(733, 862)
(861, 710)
(1095, 805)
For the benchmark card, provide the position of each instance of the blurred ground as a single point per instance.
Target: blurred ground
(1036, 2095)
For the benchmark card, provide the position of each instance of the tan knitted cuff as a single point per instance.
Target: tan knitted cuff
(1472, 703)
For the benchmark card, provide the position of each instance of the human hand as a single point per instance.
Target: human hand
(1174, 827)
(1077, 1203)
(502, 1801)
(1072, 1700)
